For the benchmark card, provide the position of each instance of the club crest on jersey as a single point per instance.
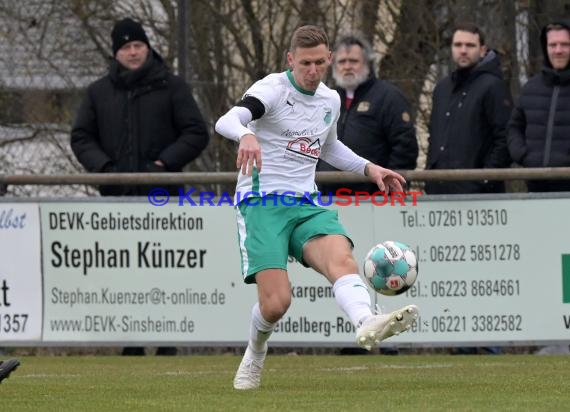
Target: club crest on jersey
(328, 115)
(304, 146)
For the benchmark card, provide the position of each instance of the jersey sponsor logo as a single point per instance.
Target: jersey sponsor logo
(304, 146)
(300, 133)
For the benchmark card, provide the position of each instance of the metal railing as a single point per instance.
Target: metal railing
(547, 173)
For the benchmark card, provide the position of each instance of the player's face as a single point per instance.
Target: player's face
(558, 48)
(466, 49)
(133, 54)
(309, 65)
(349, 67)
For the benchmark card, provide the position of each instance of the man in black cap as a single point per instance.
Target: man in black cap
(127, 31)
(7, 367)
(138, 118)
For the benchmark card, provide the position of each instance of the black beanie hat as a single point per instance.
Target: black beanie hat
(125, 31)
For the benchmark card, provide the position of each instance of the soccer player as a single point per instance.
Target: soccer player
(284, 124)
(7, 367)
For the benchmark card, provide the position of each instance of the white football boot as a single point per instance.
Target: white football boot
(248, 375)
(376, 328)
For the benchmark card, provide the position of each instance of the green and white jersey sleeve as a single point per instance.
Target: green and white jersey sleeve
(291, 133)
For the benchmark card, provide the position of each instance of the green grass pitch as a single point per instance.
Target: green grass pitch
(291, 383)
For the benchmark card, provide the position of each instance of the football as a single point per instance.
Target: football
(391, 268)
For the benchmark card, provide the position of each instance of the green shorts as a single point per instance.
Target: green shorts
(270, 230)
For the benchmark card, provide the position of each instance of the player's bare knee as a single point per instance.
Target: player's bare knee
(274, 313)
(275, 306)
(342, 265)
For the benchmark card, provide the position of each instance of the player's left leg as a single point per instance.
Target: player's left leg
(322, 243)
(380, 326)
(332, 256)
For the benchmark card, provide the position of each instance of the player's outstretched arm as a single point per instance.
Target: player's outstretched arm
(340, 156)
(386, 179)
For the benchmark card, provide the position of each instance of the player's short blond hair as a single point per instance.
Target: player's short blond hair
(308, 36)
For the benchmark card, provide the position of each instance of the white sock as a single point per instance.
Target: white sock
(260, 330)
(352, 296)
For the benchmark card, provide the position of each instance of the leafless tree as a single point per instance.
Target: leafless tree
(52, 49)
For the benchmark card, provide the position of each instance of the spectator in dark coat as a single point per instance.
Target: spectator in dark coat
(138, 118)
(470, 112)
(539, 130)
(375, 120)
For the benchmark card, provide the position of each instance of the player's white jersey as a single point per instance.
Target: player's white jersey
(291, 133)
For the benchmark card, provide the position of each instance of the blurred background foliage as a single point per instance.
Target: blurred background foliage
(50, 50)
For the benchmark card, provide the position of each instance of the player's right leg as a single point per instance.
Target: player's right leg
(248, 375)
(274, 300)
(264, 232)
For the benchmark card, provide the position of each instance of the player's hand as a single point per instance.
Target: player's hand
(386, 179)
(249, 154)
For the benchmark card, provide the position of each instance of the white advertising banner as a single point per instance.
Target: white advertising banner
(20, 273)
(131, 272)
(491, 271)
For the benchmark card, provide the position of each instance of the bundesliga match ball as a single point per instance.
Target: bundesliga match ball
(391, 268)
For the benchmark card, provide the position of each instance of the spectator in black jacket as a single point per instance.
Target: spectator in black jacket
(375, 119)
(470, 112)
(138, 118)
(539, 130)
